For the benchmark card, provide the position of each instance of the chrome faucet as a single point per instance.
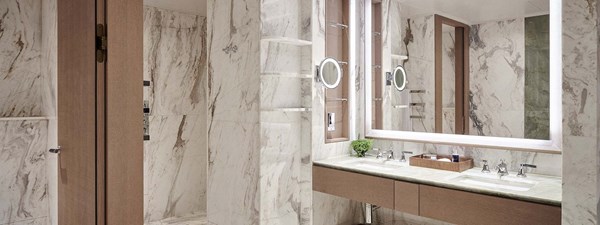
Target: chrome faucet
(502, 169)
(403, 157)
(522, 169)
(486, 167)
(388, 154)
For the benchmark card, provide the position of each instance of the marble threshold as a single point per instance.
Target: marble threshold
(543, 189)
(196, 219)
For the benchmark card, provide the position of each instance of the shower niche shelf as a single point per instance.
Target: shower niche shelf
(286, 75)
(287, 41)
(337, 46)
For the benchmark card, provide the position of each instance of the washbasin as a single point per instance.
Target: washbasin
(506, 183)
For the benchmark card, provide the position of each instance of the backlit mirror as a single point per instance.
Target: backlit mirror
(330, 73)
(478, 68)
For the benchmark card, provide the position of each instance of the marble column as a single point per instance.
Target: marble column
(580, 112)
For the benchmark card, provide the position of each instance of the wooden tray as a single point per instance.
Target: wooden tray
(463, 164)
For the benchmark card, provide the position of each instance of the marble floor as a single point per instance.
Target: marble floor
(197, 219)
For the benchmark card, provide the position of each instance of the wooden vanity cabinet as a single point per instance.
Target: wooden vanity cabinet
(466, 208)
(363, 188)
(453, 206)
(406, 197)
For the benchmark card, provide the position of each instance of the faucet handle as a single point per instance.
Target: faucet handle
(403, 157)
(486, 167)
(522, 169)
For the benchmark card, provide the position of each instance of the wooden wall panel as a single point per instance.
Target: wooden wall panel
(124, 114)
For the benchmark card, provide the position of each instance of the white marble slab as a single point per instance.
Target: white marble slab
(21, 80)
(23, 181)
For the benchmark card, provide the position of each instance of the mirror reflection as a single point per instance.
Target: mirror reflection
(476, 67)
(399, 77)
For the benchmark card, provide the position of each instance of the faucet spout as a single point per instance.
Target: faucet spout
(502, 169)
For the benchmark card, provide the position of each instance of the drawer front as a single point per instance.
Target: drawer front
(406, 197)
(465, 208)
(355, 186)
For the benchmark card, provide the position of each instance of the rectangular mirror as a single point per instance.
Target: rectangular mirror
(464, 71)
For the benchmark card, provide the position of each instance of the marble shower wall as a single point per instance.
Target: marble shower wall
(23, 181)
(21, 86)
(175, 157)
(234, 132)
(27, 89)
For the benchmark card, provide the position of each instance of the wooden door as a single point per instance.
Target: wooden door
(100, 113)
(77, 112)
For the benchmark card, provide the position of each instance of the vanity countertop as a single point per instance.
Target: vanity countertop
(533, 188)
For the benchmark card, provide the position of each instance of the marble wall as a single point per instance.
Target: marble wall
(497, 78)
(21, 91)
(175, 157)
(233, 81)
(27, 110)
(285, 136)
(580, 112)
(328, 209)
(23, 181)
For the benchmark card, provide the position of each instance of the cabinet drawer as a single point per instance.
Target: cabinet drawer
(465, 208)
(406, 197)
(355, 186)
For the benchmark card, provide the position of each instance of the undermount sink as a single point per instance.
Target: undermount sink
(506, 183)
(373, 164)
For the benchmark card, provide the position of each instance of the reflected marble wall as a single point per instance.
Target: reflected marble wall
(175, 157)
(497, 78)
(418, 45)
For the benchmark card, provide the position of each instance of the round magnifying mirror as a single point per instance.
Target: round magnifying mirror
(400, 78)
(330, 73)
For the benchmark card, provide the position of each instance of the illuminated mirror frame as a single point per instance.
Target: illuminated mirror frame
(405, 80)
(338, 70)
(552, 146)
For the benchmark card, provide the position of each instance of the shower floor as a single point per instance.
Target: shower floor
(186, 220)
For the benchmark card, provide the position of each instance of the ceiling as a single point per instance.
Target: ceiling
(189, 6)
(476, 11)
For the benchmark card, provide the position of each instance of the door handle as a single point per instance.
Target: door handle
(55, 150)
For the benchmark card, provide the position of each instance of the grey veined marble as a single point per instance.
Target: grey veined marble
(20, 58)
(23, 181)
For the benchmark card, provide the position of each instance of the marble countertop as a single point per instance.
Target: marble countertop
(533, 188)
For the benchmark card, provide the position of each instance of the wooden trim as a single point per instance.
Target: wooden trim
(461, 74)
(355, 186)
(460, 207)
(124, 99)
(438, 74)
(76, 96)
(100, 126)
